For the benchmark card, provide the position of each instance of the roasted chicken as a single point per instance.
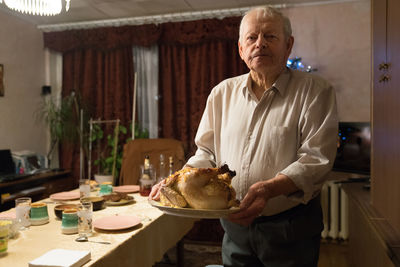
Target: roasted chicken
(199, 188)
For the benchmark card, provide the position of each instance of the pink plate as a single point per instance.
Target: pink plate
(116, 222)
(8, 214)
(126, 189)
(65, 195)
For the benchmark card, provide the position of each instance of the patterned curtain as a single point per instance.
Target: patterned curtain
(104, 80)
(194, 56)
(187, 75)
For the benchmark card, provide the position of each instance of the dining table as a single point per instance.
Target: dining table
(141, 245)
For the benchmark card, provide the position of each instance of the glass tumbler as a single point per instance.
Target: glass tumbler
(85, 214)
(84, 188)
(22, 209)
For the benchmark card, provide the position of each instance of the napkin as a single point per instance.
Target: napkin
(61, 258)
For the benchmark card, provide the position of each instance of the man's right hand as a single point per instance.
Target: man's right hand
(155, 191)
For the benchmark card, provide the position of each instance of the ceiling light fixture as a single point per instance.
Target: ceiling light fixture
(38, 7)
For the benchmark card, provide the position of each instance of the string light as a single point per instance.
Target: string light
(296, 64)
(37, 7)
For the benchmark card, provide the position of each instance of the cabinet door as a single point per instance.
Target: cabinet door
(385, 166)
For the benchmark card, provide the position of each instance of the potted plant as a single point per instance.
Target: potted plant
(109, 155)
(106, 153)
(64, 120)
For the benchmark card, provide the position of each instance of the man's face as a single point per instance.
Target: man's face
(263, 46)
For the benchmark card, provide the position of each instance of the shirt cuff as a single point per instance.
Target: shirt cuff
(307, 188)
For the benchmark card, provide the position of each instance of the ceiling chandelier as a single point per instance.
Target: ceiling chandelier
(38, 7)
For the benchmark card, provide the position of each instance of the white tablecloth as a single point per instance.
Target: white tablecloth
(140, 246)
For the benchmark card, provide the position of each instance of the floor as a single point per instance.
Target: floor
(332, 254)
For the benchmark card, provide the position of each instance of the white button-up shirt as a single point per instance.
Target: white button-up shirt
(291, 130)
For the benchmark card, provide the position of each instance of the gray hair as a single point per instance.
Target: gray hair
(268, 12)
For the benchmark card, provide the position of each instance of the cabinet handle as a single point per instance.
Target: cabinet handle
(384, 78)
(384, 66)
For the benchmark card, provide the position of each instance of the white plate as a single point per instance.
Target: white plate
(116, 222)
(194, 213)
(65, 196)
(126, 189)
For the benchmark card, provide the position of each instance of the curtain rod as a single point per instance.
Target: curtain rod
(173, 17)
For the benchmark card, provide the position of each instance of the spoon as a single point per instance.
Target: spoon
(84, 238)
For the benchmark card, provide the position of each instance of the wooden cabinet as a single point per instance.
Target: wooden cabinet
(385, 164)
(374, 217)
(372, 242)
(37, 187)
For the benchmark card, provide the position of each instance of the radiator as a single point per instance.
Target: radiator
(335, 209)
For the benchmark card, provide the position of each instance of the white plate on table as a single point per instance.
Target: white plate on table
(126, 189)
(116, 222)
(63, 196)
(194, 213)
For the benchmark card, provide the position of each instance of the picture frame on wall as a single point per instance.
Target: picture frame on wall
(1, 80)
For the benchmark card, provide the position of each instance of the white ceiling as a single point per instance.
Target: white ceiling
(94, 10)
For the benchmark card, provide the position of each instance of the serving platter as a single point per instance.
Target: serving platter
(194, 213)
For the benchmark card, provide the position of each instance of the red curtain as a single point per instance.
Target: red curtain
(187, 75)
(194, 56)
(104, 79)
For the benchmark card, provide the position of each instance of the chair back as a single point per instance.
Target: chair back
(136, 150)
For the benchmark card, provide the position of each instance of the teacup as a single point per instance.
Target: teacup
(69, 224)
(105, 188)
(39, 214)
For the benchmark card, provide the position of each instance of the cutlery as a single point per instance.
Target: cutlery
(85, 239)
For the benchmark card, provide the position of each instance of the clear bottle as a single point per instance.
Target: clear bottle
(146, 169)
(161, 173)
(146, 181)
(171, 168)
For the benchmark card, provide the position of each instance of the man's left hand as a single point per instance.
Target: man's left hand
(252, 205)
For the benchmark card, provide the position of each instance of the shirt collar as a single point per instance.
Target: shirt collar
(280, 84)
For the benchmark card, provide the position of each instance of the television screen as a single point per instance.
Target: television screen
(354, 148)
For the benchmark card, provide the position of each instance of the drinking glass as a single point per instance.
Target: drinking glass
(22, 209)
(85, 212)
(84, 188)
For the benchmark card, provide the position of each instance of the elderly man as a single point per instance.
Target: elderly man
(277, 128)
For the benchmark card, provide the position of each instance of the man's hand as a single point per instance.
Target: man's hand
(258, 195)
(155, 191)
(252, 205)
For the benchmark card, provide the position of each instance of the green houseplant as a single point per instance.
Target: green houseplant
(109, 156)
(67, 120)
(109, 160)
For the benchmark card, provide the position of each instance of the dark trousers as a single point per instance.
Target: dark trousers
(288, 239)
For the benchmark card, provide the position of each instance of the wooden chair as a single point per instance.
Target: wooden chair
(136, 150)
